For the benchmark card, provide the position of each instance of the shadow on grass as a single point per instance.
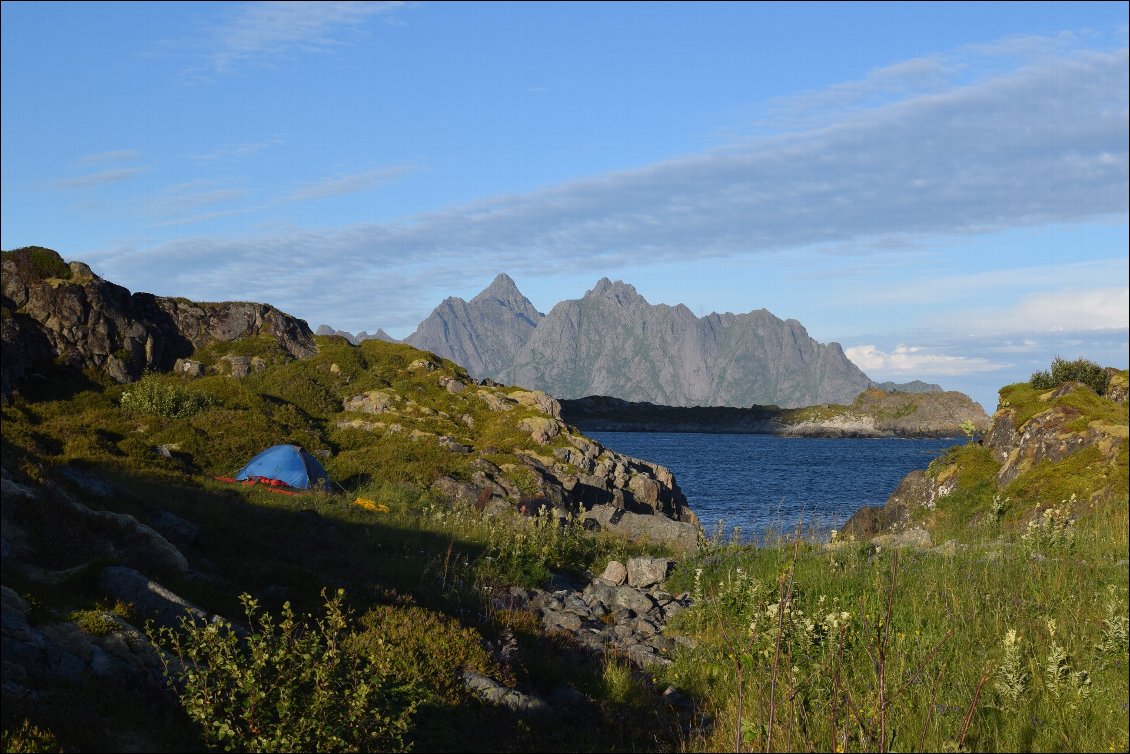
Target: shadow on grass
(283, 548)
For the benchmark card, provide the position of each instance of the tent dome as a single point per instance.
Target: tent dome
(289, 464)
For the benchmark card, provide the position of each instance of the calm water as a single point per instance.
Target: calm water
(762, 482)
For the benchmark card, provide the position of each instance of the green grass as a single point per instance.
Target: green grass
(872, 656)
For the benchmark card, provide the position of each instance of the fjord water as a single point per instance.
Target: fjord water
(764, 483)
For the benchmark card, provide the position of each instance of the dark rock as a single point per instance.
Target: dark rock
(177, 530)
(92, 534)
(148, 597)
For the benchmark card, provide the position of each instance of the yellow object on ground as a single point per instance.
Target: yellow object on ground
(371, 505)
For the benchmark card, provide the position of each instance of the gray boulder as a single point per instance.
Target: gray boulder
(494, 693)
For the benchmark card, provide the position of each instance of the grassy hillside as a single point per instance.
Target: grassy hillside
(406, 558)
(1013, 637)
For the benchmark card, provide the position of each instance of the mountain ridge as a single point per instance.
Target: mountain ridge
(613, 342)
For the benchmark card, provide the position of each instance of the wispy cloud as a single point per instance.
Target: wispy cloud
(349, 184)
(268, 30)
(1044, 145)
(202, 217)
(91, 180)
(117, 155)
(180, 204)
(1076, 310)
(235, 151)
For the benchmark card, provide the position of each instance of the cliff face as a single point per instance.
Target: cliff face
(613, 342)
(63, 314)
(1042, 449)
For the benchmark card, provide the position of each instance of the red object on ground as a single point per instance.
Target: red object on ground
(272, 485)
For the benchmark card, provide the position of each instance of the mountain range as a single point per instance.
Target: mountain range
(613, 342)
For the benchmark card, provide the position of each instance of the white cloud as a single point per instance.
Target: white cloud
(270, 29)
(1044, 145)
(349, 184)
(1080, 310)
(914, 360)
(91, 180)
(233, 151)
(117, 155)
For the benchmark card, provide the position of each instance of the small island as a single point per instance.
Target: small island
(874, 413)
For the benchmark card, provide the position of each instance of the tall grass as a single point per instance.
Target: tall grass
(1015, 644)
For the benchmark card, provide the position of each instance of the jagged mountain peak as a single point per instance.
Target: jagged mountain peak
(617, 291)
(503, 286)
(613, 342)
(482, 332)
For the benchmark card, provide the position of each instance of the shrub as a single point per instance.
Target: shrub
(94, 622)
(285, 687)
(150, 395)
(421, 648)
(39, 263)
(30, 738)
(1081, 370)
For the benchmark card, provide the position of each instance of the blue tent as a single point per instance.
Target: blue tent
(289, 465)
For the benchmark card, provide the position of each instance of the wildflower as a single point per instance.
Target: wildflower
(1011, 680)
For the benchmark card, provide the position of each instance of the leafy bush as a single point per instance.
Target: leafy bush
(421, 648)
(30, 738)
(94, 622)
(1081, 370)
(150, 395)
(285, 687)
(39, 263)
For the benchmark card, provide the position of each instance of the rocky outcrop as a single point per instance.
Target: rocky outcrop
(632, 498)
(1018, 440)
(1051, 435)
(63, 653)
(893, 413)
(566, 471)
(59, 314)
(613, 342)
(874, 413)
(81, 534)
(51, 538)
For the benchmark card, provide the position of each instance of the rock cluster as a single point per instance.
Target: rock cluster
(625, 609)
(1050, 435)
(62, 652)
(637, 499)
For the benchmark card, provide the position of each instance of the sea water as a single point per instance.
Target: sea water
(764, 484)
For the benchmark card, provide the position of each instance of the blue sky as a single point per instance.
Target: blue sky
(941, 188)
